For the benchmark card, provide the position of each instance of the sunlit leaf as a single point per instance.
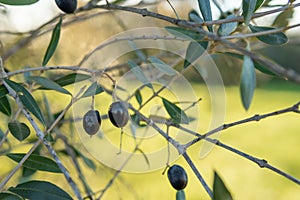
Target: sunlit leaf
(71, 79)
(94, 89)
(282, 20)
(36, 162)
(257, 65)
(248, 10)
(180, 195)
(194, 17)
(205, 9)
(26, 99)
(9, 196)
(184, 33)
(51, 85)
(227, 28)
(53, 43)
(37, 190)
(5, 106)
(18, 2)
(272, 39)
(163, 67)
(220, 192)
(194, 51)
(176, 114)
(19, 130)
(138, 72)
(248, 82)
(138, 97)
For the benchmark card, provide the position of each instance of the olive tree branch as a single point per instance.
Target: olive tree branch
(41, 137)
(286, 73)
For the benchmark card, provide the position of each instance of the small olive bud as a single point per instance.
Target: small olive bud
(91, 122)
(67, 6)
(118, 114)
(177, 177)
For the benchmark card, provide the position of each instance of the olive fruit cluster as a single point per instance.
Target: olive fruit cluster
(67, 6)
(91, 122)
(118, 115)
(177, 177)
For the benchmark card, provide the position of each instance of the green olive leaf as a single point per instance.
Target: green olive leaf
(19, 130)
(194, 51)
(205, 9)
(49, 84)
(138, 97)
(160, 65)
(194, 17)
(272, 39)
(220, 192)
(184, 33)
(5, 106)
(9, 196)
(18, 2)
(36, 190)
(227, 28)
(248, 10)
(94, 89)
(138, 72)
(53, 42)
(248, 82)
(71, 79)
(26, 99)
(176, 114)
(36, 162)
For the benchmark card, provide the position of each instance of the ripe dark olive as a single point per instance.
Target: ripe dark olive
(118, 114)
(177, 177)
(67, 6)
(91, 122)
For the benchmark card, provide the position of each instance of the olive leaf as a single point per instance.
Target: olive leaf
(258, 4)
(248, 82)
(26, 99)
(71, 78)
(3, 91)
(51, 85)
(19, 130)
(194, 51)
(36, 162)
(194, 17)
(220, 192)
(138, 72)
(5, 106)
(248, 10)
(184, 33)
(9, 196)
(205, 9)
(94, 89)
(36, 190)
(227, 28)
(177, 115)
(53, 43)
(272, 39)
(160, 65)
(18, 2)
(138, 97)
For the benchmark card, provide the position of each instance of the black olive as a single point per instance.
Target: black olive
(118, 114)
(91, 122)
(67, 6)
(177, 177)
